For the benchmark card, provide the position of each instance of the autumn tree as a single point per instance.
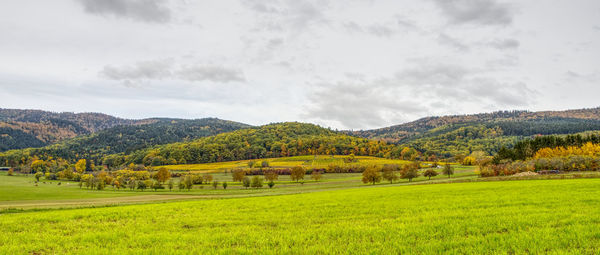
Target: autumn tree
(390, 173)
(163, 175)
(448, 170)
(238, 175)
(430, 173)
(271, 175)
(297, 173)
(316, 175)
(371, 175)
(39, 166)
(80, 166)
(207, 178)
(188, 182)
(410, 173)
(215, 184)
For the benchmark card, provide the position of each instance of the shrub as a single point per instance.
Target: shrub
(257, 182)
(215, 184)
(224, 185)
(271, 184)
(246, 182)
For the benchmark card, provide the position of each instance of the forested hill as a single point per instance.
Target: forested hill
(273, 140)
(462, 134)
(129, 138)
(528, 123)
(36, 128)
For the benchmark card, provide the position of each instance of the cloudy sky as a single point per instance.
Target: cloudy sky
(351, 64)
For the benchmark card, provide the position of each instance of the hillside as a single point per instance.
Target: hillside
(461, 134)
(35, 128)
(126, 139)
(273, 140)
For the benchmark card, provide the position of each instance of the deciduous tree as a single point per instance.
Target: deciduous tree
(371, 175)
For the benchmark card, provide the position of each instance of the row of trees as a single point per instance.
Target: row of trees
(374, 174)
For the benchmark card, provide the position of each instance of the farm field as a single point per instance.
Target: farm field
(20, 192)
(532, 216)
(310, 161)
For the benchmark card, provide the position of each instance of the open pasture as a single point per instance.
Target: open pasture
(538, 216)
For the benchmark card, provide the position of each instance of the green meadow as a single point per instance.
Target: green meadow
(507, 217)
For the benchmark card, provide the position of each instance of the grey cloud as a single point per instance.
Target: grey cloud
(597, 27)
(452, 42)
(210, 73)
(131, 75)
(140, 10)
(297, 14)
(505, 44)
(358, 103)
(155, 69)
(380, 30)
(484, 12)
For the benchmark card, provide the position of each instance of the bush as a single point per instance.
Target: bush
(257, 182)
(271, 184)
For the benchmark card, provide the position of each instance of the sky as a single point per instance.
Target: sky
(351, 64)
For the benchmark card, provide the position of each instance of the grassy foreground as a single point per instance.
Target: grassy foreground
(539, 216)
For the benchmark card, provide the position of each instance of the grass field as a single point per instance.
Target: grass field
(539, 216)
(21, 191)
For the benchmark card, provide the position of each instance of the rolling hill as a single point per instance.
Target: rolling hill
(273, 140)
(461, 134)
(35, 128)
(129, 138)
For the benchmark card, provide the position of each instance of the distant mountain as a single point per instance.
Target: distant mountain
(36, 128)
(461, 134)
(129, 138)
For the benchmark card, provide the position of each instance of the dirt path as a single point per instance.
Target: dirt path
(28, 204)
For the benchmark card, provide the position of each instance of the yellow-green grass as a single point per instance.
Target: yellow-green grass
(23, 187)
(511, 217)
(20, 192)
(310, 161)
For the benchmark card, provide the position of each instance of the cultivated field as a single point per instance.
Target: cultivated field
(533, 216)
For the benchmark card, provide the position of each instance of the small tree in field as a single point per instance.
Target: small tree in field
(188, 182)
(163, 175)
(246, 182)
(271, 175)
(410, 173)
(238, 175)
(207, 178)
(264, 163)
(316, 175)
(250, 164)
(10, 172)
(430, 173)
(38, 175)
(215, 184)
(448, 170)
(171, 184)
(297, 173)
(180, 185)
(390, 173)
(257, 182)
(271, 184)
(224, 185)
(371, 175)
